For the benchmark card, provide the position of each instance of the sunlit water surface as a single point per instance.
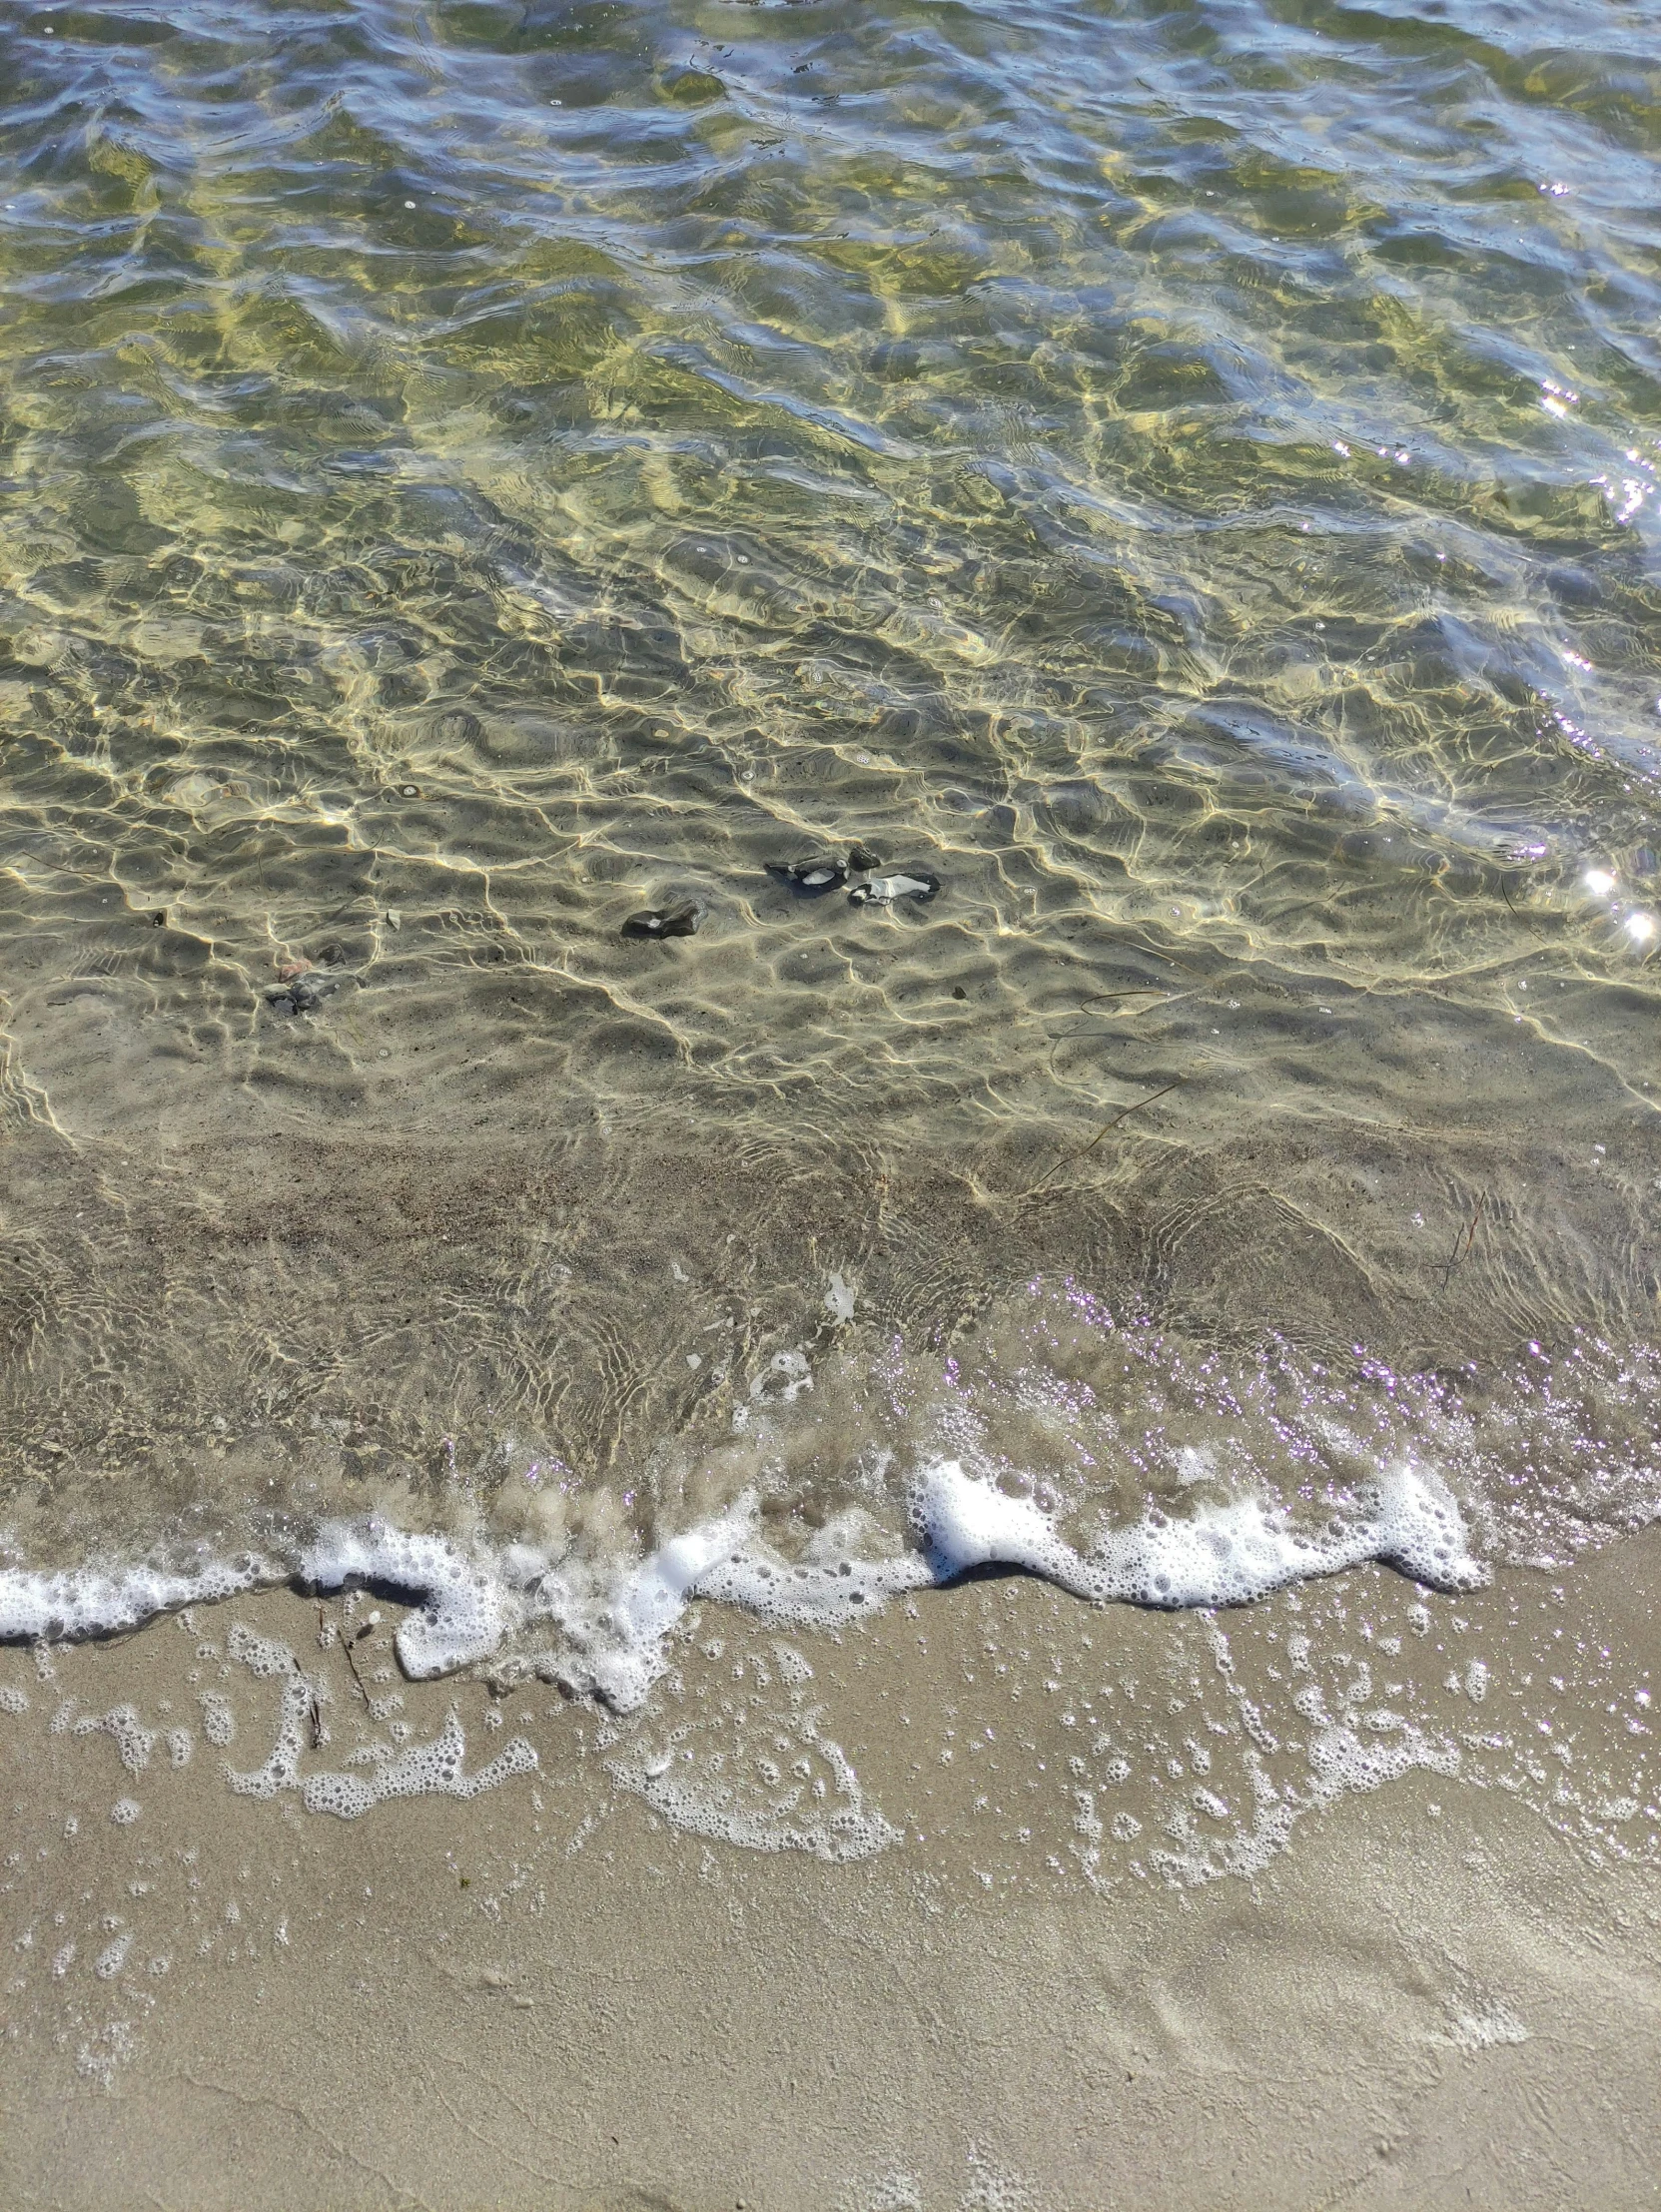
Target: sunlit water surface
(1182, 477)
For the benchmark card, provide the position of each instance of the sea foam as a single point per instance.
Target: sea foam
(63, 1606)
(613, 1618)
(1224, 1553)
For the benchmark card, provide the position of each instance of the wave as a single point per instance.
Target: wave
(479, 1604)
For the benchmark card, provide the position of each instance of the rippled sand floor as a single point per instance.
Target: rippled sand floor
(1188, 483)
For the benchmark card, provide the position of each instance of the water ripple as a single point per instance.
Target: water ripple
(1186, 475)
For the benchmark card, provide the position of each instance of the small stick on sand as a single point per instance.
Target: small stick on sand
(347, 1638)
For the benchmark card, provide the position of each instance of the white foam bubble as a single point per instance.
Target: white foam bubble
(266, 1658)
(429, 1768)
(617, 1625)
(1341, 1760)
(465, 1607)
(1224, 1554)
(828, 1818)
(783, 1379)
(112, 1958)
(969, 1523)
(1485, 2028)
(93, 1601)
(809, 1592)
(132, 1740)
(219, 1723)
(432, 1769)
(617, 1622)
(614, 1615)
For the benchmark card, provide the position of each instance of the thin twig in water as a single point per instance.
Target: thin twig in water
(1467, 1238)
(1511, 908)
(1102, 998)
(1158, 951)
(1144, 991)
(1136, 1106)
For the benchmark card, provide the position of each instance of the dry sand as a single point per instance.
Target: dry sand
(1442, 1992)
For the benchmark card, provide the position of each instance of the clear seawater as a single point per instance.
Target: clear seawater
(1183, 475)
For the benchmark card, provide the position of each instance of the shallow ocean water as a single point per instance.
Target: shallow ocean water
(1184, 478)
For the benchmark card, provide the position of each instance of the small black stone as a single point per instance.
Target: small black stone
(660, 922)
(862, 860)
(303, 995)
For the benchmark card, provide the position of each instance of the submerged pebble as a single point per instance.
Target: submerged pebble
(302, 994)
(660, 922)
(822, 872)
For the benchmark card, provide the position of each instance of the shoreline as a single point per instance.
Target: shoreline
(548, 1993)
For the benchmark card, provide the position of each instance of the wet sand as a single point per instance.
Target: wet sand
(1442, 1992)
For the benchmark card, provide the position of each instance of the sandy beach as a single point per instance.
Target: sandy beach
(1433, 1991)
